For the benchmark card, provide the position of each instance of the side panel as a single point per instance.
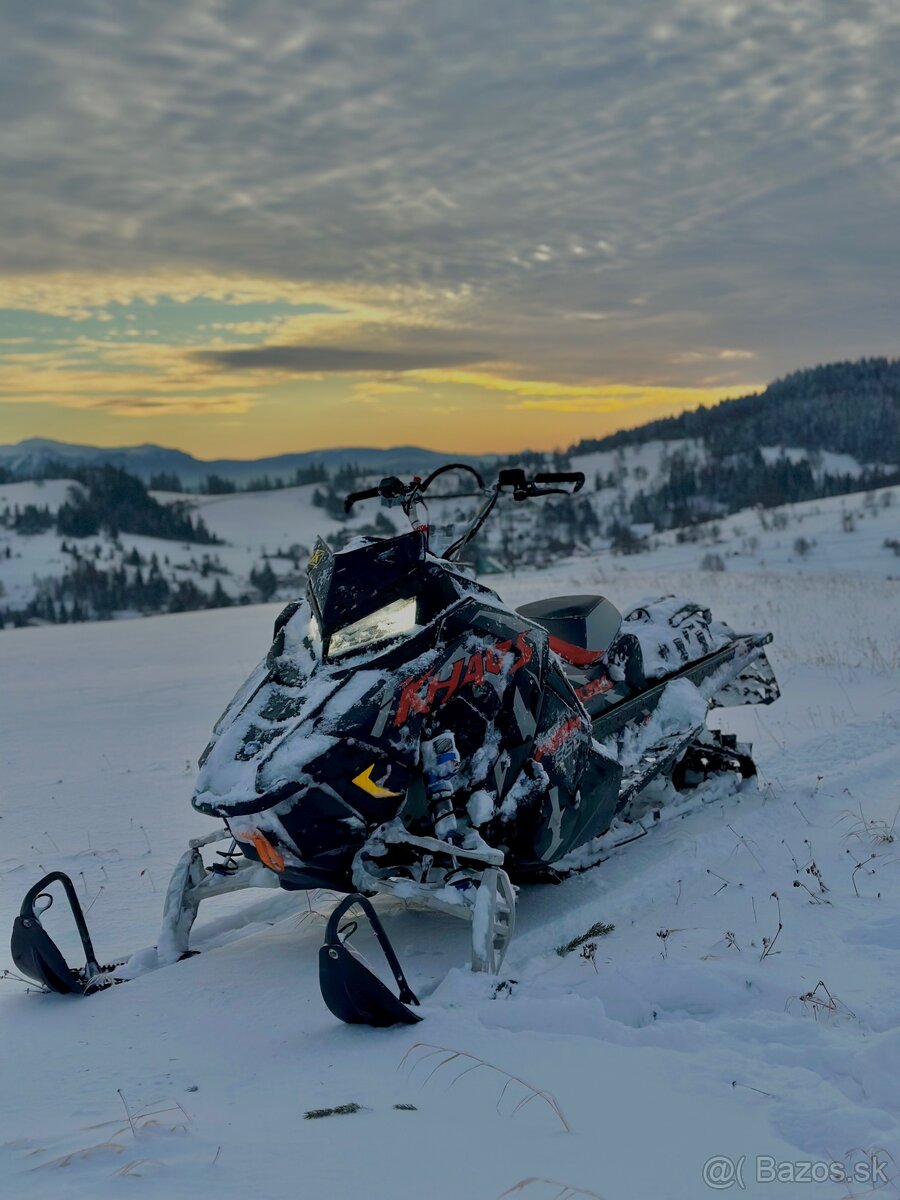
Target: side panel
(566, 793)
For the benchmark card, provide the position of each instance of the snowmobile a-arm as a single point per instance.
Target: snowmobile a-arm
(193, 882)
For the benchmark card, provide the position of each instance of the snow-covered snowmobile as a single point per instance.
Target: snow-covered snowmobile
(409, 734)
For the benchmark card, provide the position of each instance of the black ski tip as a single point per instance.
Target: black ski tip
(350, 990)
(354, 995)
(38, 957)
(36, 954)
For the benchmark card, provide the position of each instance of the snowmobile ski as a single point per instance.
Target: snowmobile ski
(39, 958)
(350, 990)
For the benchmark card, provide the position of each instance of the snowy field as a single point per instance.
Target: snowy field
(679, 1043)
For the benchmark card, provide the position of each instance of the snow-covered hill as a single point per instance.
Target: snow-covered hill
(676, 1044)
(859, 533)
(252, 524)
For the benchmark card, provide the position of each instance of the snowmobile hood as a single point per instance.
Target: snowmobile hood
(276, 744)
(297, 715)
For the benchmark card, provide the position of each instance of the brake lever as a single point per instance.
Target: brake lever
(534, 490)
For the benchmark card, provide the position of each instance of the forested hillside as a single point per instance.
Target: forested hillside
(846, 407)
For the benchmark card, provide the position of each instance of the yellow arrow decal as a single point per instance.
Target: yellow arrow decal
(365, 781)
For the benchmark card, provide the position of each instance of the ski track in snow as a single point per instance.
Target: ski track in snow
(663, 1052)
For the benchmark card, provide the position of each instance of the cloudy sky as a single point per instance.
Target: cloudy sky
(249, 226)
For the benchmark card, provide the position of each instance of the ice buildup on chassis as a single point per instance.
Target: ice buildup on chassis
(409, 734)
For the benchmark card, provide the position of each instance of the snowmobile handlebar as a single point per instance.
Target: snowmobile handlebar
(574, 477)
(392, 489)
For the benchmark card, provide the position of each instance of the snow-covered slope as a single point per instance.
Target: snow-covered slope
(840, 535)
(634, 467)
(252, 525)
(679, 1043)
(843, 534)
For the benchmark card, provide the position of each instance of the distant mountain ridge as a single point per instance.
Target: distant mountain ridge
(845, 407)
(28, 458)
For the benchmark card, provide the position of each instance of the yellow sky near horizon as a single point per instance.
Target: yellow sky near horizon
(243, 367)
(452, 420)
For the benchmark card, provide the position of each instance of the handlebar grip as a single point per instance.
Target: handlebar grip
(576, 477)
(368, 494)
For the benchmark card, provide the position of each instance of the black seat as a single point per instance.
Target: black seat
(581, 628)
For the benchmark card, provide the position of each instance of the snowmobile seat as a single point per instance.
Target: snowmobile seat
(581, 628)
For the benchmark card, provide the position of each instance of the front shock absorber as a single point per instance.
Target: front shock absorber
(441, 761)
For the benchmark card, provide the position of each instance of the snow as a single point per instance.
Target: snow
(676, 1041)
(283, 517)
(480, 807)
(843, 535)
(43, 493)
(824, 462)
(671, 630)
(681, 707)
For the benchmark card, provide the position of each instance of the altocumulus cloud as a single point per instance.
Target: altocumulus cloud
(702, 173)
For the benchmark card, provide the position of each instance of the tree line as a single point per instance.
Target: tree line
(112, 501)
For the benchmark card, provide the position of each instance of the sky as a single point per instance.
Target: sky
(246, 228)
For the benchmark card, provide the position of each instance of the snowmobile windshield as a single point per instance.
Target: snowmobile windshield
(366, 593)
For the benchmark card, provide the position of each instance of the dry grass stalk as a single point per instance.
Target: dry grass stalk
(820, 1000)
(768, 943)
(563, 1190)
(476, 1063)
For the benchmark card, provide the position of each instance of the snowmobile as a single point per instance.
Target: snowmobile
(408, 734)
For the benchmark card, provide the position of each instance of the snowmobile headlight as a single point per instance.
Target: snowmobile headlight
(392, 621)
